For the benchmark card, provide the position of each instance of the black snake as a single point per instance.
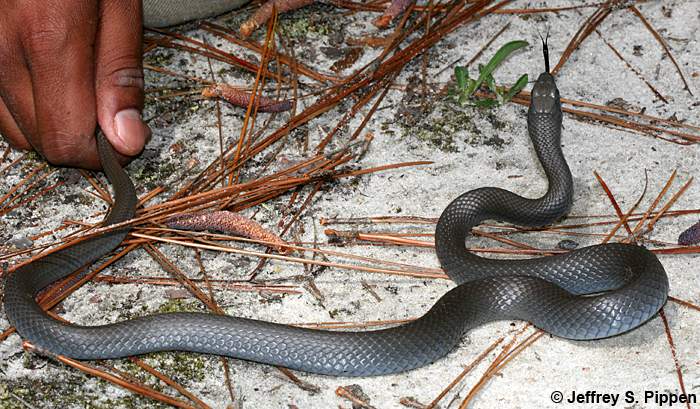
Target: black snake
(593, 292)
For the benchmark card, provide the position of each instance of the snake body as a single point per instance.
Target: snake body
(590, 293)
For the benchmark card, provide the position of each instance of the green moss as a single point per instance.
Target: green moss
(304, 24)
(338, 312)
(174, 305)
(443, 124)
(179, 305)
(493, 118)
(33, 156)
(184, 368)
(153, 173)
(440, 127)
(67, 391)
(160, 57)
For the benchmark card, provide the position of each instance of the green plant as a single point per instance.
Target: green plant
(466, 87)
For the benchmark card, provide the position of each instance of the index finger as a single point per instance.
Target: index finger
(59, 52)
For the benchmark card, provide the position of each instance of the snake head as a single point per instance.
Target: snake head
(545, 95)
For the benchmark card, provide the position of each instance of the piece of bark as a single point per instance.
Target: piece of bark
(230, 223)
(394, 10)
(242, 98)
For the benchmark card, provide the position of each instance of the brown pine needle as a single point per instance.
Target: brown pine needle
(655, 203)
(546, 9)
(465, 372)
(583, 32)
(140, 389)
(650, 127)
(613, 202)
(14, 163)
(652, 223)
(672, 347)
(222, 284)
(23, 182)
(306, 249)
(663, 44)
(169, 381)
(292, 259)
(506, 355)
(684, 303)
(631, 68)
(626, 217)
(309, 387)
(285, 59)
(180, 276)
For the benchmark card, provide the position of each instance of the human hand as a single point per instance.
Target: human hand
(67, 65)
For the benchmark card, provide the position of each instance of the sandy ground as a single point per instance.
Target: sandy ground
(470, 148)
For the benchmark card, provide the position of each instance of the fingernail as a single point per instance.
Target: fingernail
(130, 130)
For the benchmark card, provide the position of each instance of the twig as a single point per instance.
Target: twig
(672, 347)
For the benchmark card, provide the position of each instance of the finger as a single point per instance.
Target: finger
(9, 129)
(18, 100)
(58, 48)
(17, 120)
(119, 75)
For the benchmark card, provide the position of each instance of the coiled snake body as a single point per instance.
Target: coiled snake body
(590, 293)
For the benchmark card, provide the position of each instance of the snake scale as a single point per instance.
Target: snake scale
(590, 293)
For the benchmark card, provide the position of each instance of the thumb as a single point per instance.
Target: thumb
(119, 75)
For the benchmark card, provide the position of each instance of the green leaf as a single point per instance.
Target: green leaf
(491, 83)
(496, 90)
(475, 84)
(465, 86)
(502, 53)
(519, 85)
(461, 77)
(462, 99)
